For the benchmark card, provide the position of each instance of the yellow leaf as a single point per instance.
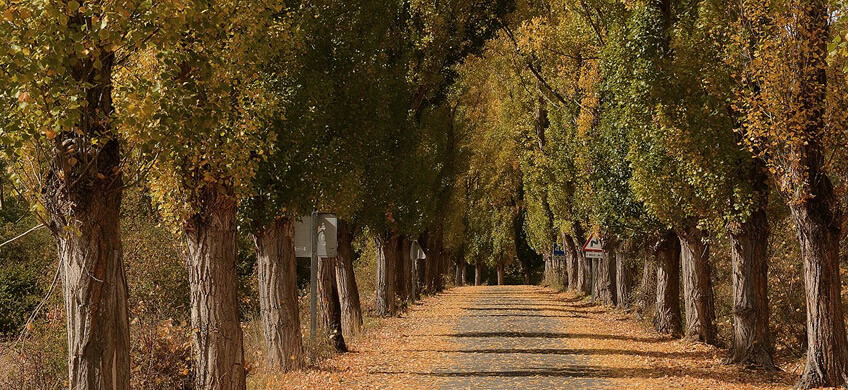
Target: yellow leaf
(50, 134)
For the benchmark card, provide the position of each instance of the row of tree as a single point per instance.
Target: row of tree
(663, 126)
(234, 116)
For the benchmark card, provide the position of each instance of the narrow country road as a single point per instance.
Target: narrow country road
(514, 337)
(522, 337)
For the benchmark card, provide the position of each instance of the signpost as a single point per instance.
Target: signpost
(315, 235)
(593, 249)
(559, 252)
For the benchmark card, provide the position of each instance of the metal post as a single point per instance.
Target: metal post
(592, 278)
(313, 284)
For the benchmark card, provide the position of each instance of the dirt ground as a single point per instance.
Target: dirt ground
(520, 337)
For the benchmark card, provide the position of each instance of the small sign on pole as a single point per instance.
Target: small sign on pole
(327, 229)
(593, 249)
(315, 236)
(415, 251)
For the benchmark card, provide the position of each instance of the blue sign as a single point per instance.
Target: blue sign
(559, 250)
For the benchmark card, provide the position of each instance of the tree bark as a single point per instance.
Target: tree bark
(571, 261)
(647, 296)
(402, 268)
(331, 309)
(584, 283)
(814, 206)
(386, 252)
(667, 318)
(83, 201)
(605, 290)
(346, 279)
(818, 229)
(408, 265)
(752, 341)
(500, 273)
(459, 272)
(623, 277)
(478, 273)
(93, 282)
(278, 306)
(421, 274)
(212, 247)
(697, 286)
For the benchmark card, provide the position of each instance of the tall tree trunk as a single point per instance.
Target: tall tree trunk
(83, 201)
(818, 229)
(605, 290)
(752, 341)
(408, 266)
(346, 279)
(647, 293)
(623, 276)
(401, 270)
(421, 274)
(500, 273)
(464, 272)
(667, 319)
(278, 307)
(386, 252)
(697, 286)
(212, 247)
(571, 261)
(548, 275)
(331, 308)
(93, 281)
(584, 282)
(458, 280)
(814, 206)
(478, 273)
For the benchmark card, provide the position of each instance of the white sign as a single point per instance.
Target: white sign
(415, 252)
(594, 247)
(327, 227)
(593, 244)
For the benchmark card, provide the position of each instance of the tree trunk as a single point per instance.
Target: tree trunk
(500, 273)
(478, 273)
(752, 341)
(697, 286)
(458, 280)
(571, 261)
(278, 307)
(408, 265)
(402, 268)
(667, 319)
(421, 274)
(647, 294)
(605, 291)
(83, 202)
(346, 279)
(331, 308)
(212, 247)
(818, 230)
(623, 277)
(814, 206)
(584, 283)
(86, 225)
(548, 275)
(464, 272)
(386, 252)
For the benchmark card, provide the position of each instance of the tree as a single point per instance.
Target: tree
(206, 109)
(788, 122)
(58, 128)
